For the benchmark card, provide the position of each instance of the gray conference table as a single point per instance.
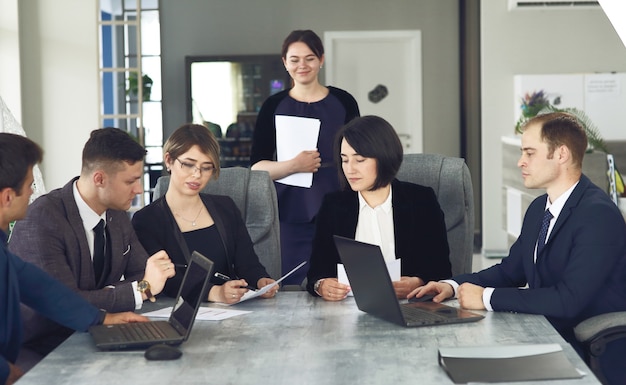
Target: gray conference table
(297, 339)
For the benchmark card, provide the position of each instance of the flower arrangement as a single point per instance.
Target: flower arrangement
(531, 105)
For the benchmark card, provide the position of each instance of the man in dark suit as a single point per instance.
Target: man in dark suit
(576, 269)
(59, 235)
(21, 282)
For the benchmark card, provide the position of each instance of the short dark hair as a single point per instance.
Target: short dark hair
(17, 155)
(189, 135)
(307, 37)
(108, 147)
(560, 128)
(371, 137)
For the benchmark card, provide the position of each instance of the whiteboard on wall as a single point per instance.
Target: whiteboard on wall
(601, 96)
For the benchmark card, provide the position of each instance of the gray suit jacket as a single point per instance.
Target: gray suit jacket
(52, 237)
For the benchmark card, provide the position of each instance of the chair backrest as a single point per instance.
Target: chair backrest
(255, 196)
(450, 178)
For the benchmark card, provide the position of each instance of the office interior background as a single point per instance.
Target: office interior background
(470, 52)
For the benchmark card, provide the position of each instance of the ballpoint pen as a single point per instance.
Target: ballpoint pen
(225, 278)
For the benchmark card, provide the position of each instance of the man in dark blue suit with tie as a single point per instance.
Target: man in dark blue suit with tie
(571, 252)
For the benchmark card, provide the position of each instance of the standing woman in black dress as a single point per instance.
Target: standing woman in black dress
(303, 57)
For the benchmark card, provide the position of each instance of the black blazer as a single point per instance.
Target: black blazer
(157, 230)
(419, 229)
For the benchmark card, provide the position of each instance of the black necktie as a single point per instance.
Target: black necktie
(541, 242)
(99, 245)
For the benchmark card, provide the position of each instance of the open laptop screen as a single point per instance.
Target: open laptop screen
(196, 276)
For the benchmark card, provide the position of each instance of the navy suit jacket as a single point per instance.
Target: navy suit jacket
(22, 282)
(580, 273)
(419, 229)
(53, 238)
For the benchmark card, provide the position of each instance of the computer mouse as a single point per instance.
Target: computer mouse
(424, 298)
(162, 352)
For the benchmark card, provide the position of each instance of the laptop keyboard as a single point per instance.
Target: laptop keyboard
(413, 315)
(142, 331)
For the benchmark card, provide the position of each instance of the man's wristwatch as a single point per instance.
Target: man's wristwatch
(316, 286)
(144, 287)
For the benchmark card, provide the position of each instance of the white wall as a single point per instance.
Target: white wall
(59, 59)
(530, 42)
(10, 57)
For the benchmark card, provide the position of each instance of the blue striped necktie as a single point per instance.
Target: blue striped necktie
(545, 224)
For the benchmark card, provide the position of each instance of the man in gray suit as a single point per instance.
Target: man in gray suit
(60, 234)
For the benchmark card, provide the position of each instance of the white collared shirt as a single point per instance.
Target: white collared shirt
(555, 209)
(375, 226)
(90, 218)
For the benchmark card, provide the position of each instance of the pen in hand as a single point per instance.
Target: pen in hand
(225, 278)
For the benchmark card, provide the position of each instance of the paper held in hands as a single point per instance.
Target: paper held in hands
(255, 293)
(294, 135)
(393, 267)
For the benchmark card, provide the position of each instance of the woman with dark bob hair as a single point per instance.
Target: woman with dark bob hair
(403, 218)
(184, 220)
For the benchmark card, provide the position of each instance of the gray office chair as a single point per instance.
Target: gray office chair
(595, 332)
(255, 196)
(450, 178)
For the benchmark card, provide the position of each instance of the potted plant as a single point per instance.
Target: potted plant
(133, 85)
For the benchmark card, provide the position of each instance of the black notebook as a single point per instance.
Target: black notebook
(506, 363)
(374, 293)
(173, 331)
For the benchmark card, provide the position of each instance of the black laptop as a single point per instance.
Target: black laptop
(374, 293)
(173, 331)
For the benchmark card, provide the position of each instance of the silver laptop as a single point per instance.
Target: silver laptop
(374, 293)
(172, 332)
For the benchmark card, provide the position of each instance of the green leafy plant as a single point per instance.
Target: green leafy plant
(133, 85)
(593, 134)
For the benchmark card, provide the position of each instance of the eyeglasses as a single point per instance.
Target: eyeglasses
(192, 168)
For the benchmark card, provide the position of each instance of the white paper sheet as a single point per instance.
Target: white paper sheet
(294, 135)
(393, 268)
(204, 313)
(255, 293)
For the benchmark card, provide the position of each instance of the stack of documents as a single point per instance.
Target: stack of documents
(506, 363)
(294, 135)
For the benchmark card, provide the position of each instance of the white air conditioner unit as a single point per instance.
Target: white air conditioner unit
(552, 4)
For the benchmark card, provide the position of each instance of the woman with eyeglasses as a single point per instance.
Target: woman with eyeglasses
(184, 220)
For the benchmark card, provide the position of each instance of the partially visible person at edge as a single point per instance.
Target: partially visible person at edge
(190, 220)
(403, 219)
(23, 282)
(303, 57)
(577, 270)
(58, 234)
